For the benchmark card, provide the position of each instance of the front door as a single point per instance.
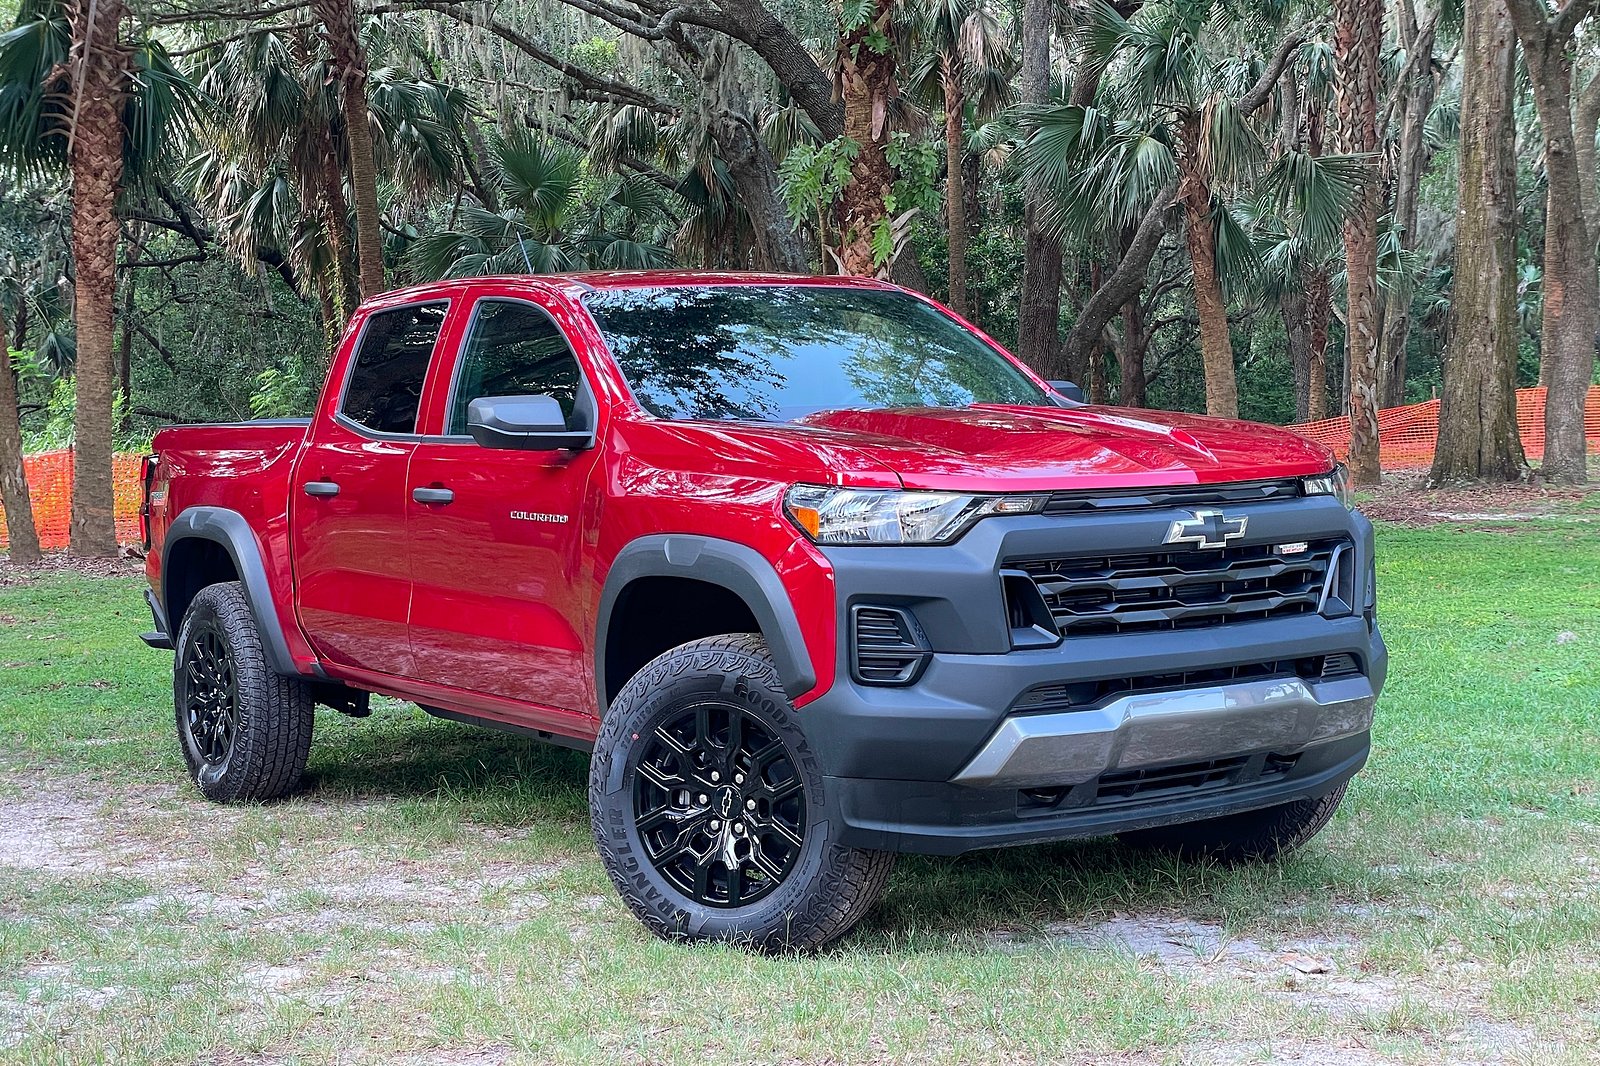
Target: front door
(496, 535)
(350, 497)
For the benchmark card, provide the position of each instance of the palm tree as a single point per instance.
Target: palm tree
(1358, 43)
(348, 71)
(272, 166)
(1172, 119)
(74, 93)
(865, 74)
(969, 50)
(554, 217)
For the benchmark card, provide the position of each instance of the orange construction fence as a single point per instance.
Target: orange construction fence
(1407, 435)
(50, 491)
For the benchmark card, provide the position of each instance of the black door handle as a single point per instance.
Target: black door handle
(426, 495)
(322, 488)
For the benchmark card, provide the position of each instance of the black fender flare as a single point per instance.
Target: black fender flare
(736, 567)
(230, 530)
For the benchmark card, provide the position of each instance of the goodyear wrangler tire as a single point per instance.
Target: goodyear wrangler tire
(707, 806)
(245, 730)
(1253, 836)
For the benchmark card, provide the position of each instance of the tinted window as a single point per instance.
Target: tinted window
(513, 349)
(781, 352)
(390, 366)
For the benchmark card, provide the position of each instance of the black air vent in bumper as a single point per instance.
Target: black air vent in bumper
(887, 646)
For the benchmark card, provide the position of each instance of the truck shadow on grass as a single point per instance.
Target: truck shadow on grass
(457, 774)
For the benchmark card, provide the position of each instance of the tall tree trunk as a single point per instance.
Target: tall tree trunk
(1123, 284)
(125, 350)
(1478, 410)
(1216, 347)
(955, 194)
(1130, 355)
(1039, 308)
(1571, 296)
(335, 213)
(1411, 160)
(1358, 41)
(349, 69)
(1292, 309)
(99, 66)
(778, 246)
(1319, 313)
(22, 538)
(867, 85)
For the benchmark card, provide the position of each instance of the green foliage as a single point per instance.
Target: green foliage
(36, 102)
(598, 54)
(555, 216)
(813, 175)
(287, 390)
(60, 409)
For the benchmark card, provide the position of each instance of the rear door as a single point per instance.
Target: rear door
(497, 535)
(350, 495)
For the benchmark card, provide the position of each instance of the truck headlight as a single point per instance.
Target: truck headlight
(1334, 483)
(893, 516)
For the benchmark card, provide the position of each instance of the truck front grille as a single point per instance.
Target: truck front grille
(1186, 588)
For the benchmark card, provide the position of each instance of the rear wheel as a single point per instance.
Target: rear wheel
(1253, 836)
(245, 730)
(707, 806)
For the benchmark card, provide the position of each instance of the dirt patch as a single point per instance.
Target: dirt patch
(314, 881)
(49, 831)
(491, 1055)
(60, 825)
(128, 564)
(1405, 499)
(1321, 974)
(1183, 943)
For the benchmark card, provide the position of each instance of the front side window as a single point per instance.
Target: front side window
(782, 352)
(513, 349)
(391, 363)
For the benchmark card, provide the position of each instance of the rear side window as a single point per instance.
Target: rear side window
(385, 386)
(514, 349)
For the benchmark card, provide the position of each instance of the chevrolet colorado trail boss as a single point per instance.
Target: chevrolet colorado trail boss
(816, 570)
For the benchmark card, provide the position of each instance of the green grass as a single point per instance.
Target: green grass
(433, 894)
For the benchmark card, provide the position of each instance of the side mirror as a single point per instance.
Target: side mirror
(1067, 389)
(529, 423)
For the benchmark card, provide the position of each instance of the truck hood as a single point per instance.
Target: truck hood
(1000, 448)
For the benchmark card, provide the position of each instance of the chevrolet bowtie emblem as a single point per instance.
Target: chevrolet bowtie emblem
(1207, 529)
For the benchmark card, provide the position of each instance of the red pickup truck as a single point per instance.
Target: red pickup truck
(816, 570)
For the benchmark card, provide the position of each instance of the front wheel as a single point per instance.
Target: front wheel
(707, 806)
(245, 730)
(1253, 836)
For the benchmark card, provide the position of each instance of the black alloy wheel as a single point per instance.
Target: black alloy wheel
(709, 806)
(719, 805)
(211, 698)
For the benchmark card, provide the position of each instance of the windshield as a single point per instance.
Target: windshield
(780, 352)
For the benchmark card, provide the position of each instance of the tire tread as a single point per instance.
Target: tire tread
(276, 713)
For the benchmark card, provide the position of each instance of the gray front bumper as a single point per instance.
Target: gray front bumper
(1154, 728)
